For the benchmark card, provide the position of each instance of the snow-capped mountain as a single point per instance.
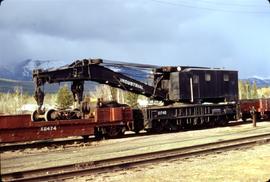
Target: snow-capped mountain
(20, 74)
(23, 69)
(260, 81)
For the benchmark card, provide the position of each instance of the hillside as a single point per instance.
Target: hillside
(8, 85)
(20, 75)
(260, 82)
(23, 69)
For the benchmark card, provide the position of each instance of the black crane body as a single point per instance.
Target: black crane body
(91, 70)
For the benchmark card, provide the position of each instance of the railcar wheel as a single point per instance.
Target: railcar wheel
(122, 130)
(158, 127)
(75, 114)
(85, 138)
(258, 117)
(35, 116)
(111, 131)
(268, 115)
(173, 126)
(98, 133)
(138, 120)
(211, 123)
(224, 122)
(137, 131)
(115, 131)
(51, 115)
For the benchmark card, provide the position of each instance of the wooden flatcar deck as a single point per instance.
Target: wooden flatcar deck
(20, 128)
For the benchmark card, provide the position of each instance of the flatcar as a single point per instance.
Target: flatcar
(260, 107)
(103, 122)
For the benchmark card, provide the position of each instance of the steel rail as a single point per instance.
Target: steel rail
(54, 143)
(86, 168)
(50, 143)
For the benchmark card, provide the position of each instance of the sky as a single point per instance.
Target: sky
(231, 34)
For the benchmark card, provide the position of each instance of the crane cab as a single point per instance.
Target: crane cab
(198, 85)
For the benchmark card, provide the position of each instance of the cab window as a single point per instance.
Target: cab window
(207, 77)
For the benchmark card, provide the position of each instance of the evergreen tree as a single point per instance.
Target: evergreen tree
(131, 99)
(114, 93)
(254, 91)
(64, 98)
(248, 89)
(242, 90)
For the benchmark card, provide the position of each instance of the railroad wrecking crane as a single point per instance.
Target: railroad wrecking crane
(191, 95)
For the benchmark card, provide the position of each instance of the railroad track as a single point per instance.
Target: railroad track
(107, 165)
(50, 144)
(54, 143)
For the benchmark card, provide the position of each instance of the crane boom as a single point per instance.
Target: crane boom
(91, 70)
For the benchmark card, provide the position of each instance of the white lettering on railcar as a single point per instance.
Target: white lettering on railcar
(48, 128)
(162, 113)
(130, 83)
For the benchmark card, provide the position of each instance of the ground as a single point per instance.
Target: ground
(251, 164)
(244, 165)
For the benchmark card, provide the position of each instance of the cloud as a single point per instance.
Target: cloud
(11, 48)
(142, 31)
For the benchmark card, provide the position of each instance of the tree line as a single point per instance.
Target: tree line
(249, 90)
(64, 98)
